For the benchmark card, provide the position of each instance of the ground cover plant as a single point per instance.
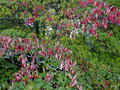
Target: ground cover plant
(59, 44)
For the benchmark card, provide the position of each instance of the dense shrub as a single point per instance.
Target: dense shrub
(80, 49)
(92, 68)
(7, 71)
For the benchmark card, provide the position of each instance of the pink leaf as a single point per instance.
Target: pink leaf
(112, 18)
(73, 83)
(83, 3)
(118, 21)
(50, 51)
(36, 76)
(31, 20)
(76, 25)
(106, 25)
(113, 9)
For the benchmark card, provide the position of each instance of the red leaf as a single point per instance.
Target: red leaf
(85, 30)
(118, 21)
(48, 77)
(12, 0)
(110, 34)
(26, 81)
(113, 9)
(106, 25)
(91, 1)
(107, 83)
(112, 18)
(31, 20)
(36, 14)
(30, 77)
(76, 25)
(83, 3)
(17, 78)
(50, 51)
(36, 76)
(32, 67)
(42, 53)
(73, 83)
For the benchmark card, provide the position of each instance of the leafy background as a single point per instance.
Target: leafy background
(99, 58)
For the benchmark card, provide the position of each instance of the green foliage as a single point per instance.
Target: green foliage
(7, 71)
(16, 33)
(60, 84)
(78, 46)
(101, 57)
(98, 60)
(106, 47)
(113, 2)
